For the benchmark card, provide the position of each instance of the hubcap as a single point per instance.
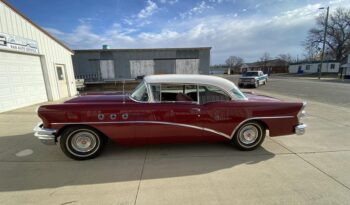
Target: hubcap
(83, 141)
(248, 134)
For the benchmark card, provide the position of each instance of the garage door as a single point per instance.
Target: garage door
(21, 81)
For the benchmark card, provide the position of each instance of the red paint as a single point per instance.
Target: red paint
(218, 116)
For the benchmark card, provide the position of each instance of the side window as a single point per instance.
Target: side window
(332, 66)
(212, 94)
(174, 93)
(156, 92)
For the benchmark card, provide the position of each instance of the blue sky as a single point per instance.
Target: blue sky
(232, 27)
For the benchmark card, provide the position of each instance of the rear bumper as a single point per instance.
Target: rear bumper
(45, 135)
(300, 129)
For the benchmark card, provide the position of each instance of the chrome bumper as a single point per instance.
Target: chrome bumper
(300, 129)
(45, 135)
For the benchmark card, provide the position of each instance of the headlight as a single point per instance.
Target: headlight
(252, 80)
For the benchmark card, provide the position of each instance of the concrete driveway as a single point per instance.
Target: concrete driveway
(309, 169)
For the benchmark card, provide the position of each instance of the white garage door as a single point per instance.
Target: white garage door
(21, 81)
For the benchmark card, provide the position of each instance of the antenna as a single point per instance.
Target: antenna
(123, 91)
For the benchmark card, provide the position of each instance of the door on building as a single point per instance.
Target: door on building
(107, 69)
(141, 68)
(21, 81)
(187, 66)
(62, 81)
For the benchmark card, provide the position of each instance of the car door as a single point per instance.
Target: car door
(176, 113)
(219, 114)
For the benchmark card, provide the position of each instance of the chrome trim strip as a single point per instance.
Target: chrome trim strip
(150, 122)
(256, 118)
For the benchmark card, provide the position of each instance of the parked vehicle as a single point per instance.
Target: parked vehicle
(80, 84)
(168, 109)
(253, 78)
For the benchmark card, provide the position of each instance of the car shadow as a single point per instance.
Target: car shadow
(26, 164)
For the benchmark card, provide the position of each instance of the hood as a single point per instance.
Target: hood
(248, 77)
(100, 98)
(253, 97)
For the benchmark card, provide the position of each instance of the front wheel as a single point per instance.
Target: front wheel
(256, 84)
(249, 136)
(81, 142)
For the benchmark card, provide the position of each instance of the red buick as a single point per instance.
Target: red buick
(168, 109)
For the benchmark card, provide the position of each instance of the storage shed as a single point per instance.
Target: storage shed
(96, 65)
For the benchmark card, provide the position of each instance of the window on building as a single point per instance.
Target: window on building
(307, 67)
(60, 73)
(332, 66)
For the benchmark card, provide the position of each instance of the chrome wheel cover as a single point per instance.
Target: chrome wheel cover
(82, 143)
(248, 134)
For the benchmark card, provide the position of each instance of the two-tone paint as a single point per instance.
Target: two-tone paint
(129, 122)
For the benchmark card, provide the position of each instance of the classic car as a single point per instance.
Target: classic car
(169, 108)
(252, 78)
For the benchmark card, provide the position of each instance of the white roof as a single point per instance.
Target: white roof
(193, 79)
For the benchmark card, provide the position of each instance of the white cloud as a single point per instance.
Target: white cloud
(198, 9)
(227, 34)
(171, 2)
(148, 11)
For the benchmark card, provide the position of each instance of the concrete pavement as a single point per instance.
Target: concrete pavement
(308, 169)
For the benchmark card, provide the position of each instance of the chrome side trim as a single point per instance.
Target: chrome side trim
(45, 135)
(256, 118)
(150, 122)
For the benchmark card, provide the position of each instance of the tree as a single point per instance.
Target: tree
(338, 35)
(285, 57)
(234, 62)
(265, 57)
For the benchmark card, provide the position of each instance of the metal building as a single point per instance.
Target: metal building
(34, 66)
(114, 64)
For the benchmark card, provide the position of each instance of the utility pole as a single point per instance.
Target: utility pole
(324, 42)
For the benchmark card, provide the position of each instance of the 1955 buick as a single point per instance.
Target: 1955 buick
(168, 109)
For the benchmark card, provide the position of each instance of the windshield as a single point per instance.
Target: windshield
(250, 74)
(140, 93)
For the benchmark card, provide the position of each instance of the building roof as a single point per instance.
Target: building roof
(313, 62)
(193, 79)
(274, 62)
(141, 49)
(34, 24)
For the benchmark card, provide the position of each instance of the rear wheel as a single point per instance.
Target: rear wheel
(82, 142)
(249, 136)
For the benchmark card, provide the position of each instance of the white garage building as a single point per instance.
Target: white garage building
(34, 66)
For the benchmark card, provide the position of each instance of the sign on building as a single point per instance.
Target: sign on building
(17, 43)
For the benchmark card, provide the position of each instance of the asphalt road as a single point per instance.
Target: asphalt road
(331, 93)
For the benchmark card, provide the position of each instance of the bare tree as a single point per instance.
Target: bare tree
(286, 57)
(338, 35)
(265, 57)
(234, 62)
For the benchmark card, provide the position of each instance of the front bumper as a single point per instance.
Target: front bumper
(45, 135)
(300, 129)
